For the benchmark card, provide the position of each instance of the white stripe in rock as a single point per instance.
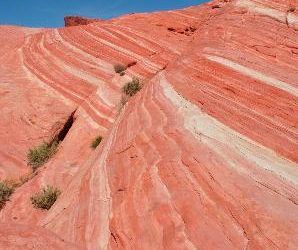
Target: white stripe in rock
(207, 129)
(255, 74)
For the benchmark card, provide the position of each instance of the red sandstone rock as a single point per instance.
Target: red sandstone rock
(77, 20)
(205, 156)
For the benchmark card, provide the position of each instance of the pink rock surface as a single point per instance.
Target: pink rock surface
(203, 157)
(17, 236)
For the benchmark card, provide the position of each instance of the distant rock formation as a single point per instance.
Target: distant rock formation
(78, 20)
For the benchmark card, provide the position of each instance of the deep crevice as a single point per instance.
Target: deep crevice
(64, 131)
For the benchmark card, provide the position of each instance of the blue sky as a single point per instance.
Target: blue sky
(50, 13)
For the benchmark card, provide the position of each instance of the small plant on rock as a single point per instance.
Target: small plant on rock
(45, 198)
(119, 68)
(96, 142)
(41, 154)
(131, 88)
(5, 192)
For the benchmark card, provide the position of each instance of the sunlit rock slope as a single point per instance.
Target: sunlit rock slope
(205, 156)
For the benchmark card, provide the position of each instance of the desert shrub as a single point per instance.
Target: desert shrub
(45, 198)
(41, 154)
(96, 142)
(5, 192)
(131, 88)
(119, 68)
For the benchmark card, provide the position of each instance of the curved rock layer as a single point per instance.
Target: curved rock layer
(204, 157)
(47, 74)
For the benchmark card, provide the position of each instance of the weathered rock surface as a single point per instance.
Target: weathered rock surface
(203, 157)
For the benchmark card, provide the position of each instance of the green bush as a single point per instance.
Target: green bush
(96, 142)
(5, 192)
(131, 88)
(119, 68)
(41, 154)
(45, 198)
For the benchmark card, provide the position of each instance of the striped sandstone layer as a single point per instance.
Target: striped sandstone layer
(203, 157)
